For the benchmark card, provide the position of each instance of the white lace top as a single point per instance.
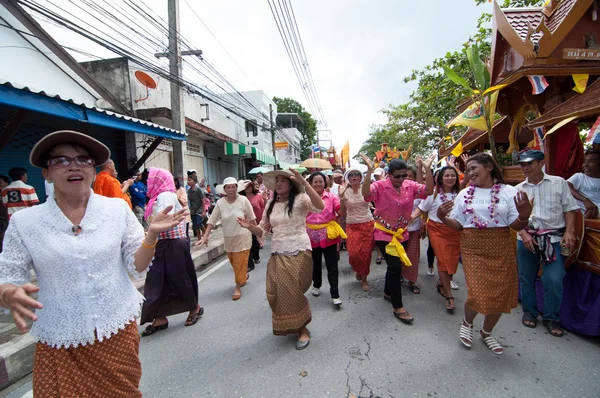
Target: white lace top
(84, 286)
(289, 233)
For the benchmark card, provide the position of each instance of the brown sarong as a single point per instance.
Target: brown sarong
(288, 278)
(413, 251)
(239, 262)
(446, 245)
(360, 245)
(490, 263)
(110, 368)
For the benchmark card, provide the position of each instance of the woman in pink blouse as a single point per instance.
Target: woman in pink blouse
(393, 198)
(324, 233)
(289, 270)
(257, 200)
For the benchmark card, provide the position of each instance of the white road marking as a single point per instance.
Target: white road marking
(213, 269)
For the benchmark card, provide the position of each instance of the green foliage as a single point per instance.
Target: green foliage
(421, 121)
(308, 129)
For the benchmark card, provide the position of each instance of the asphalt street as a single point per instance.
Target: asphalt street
(360, 350)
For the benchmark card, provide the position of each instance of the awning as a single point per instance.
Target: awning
(240, 149)
(27, 98)
(580, 106)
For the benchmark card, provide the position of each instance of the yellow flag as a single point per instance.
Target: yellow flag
(458, 150)
(581, 81)
(345, 154)
(473, 115)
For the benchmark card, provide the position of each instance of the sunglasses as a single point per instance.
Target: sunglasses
(354, 175)
(61, 162)
(399, 176)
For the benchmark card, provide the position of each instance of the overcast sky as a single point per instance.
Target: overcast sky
(359, 51)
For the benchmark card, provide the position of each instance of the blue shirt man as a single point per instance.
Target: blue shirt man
(138, 198)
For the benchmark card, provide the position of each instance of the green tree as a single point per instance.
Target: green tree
(421, 121)
(308, 129)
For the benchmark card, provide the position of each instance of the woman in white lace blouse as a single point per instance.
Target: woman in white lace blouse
(80, 246)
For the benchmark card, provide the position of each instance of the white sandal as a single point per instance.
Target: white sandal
(492, 343)
(466, 333)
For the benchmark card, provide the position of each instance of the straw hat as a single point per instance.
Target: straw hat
(271, 176)
(355, 169)
(97, 150)
(243, 184)
(228, 181)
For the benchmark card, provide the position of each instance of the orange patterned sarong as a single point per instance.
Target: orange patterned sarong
(360, 246)
(110, 368)
(413, 251)
(446, 245)
(490, 263)
(239, 262)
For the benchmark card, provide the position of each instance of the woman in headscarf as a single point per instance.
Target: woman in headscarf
(289, 270)
(238, 241)
(84, 315)
(359, 225)
(325, 233)
(171, 285)
(484, 214)
(258, 201)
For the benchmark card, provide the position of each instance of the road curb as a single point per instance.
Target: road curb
(16, 356)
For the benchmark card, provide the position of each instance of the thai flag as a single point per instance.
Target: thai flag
(593, 134)
(538, 139)
(538, 83)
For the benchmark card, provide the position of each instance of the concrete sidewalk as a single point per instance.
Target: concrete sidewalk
(16, 349)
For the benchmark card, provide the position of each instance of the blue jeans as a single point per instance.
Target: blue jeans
(552, 279)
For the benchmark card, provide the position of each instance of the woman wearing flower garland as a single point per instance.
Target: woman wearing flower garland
(359, 225)
(393, 198)
(445, 241)
(325, 233)
(483, 213)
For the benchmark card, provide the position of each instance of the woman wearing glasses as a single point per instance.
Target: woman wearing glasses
(359, 225)
(393, 198)
(84, 315)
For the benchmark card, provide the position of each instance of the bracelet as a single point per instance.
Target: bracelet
(4, 291)
(518, 219)
(148, 245)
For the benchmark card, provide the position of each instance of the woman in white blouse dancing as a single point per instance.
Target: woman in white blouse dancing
(80, 246)
(483, 213)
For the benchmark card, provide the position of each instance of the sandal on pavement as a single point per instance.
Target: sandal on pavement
(529, 320)
(414, 288)
(379, 260)
(236, 296)
(554, 328)
(300, 345)
(466, 333)
(151, 329)
(439, 289)
(450, 307)
(404, 317)
(387, 297)
(366, 287)
(491, 343)
(193, 318)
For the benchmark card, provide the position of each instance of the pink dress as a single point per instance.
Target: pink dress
(318, 237)
(393, 209)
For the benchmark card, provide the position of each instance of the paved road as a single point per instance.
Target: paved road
(361, 349)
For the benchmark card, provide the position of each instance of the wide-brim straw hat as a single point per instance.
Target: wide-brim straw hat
(270, 177)
(228, 181)
(355, 169)
(97, 150)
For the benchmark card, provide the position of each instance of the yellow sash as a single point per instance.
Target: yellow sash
(395, 248)
(334, 230)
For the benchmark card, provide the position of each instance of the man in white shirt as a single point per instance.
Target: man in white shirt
(551, 226)
(585, 187)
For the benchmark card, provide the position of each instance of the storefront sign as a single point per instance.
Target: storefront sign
(281, 145)
(581, 54)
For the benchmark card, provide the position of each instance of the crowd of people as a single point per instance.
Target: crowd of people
(86, 307)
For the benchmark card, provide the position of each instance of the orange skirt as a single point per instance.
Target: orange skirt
(110, 368)
(446, 245)
(239, 263)
(490, 262)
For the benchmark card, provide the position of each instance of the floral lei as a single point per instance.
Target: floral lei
(443, 196)
(494, 200)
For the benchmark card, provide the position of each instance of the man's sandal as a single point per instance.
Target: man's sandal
(491, 343)
(529, 320)
(554, 328)
(466, 333)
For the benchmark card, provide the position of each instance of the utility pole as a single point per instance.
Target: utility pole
(175, 70)
(272, 134)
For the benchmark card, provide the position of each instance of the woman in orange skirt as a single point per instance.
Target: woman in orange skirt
(445, 241)
(484, 214)
(359, 225)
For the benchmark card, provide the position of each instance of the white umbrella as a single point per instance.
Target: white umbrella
(257, 170)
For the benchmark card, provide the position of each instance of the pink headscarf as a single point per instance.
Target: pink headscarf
(159, 181)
